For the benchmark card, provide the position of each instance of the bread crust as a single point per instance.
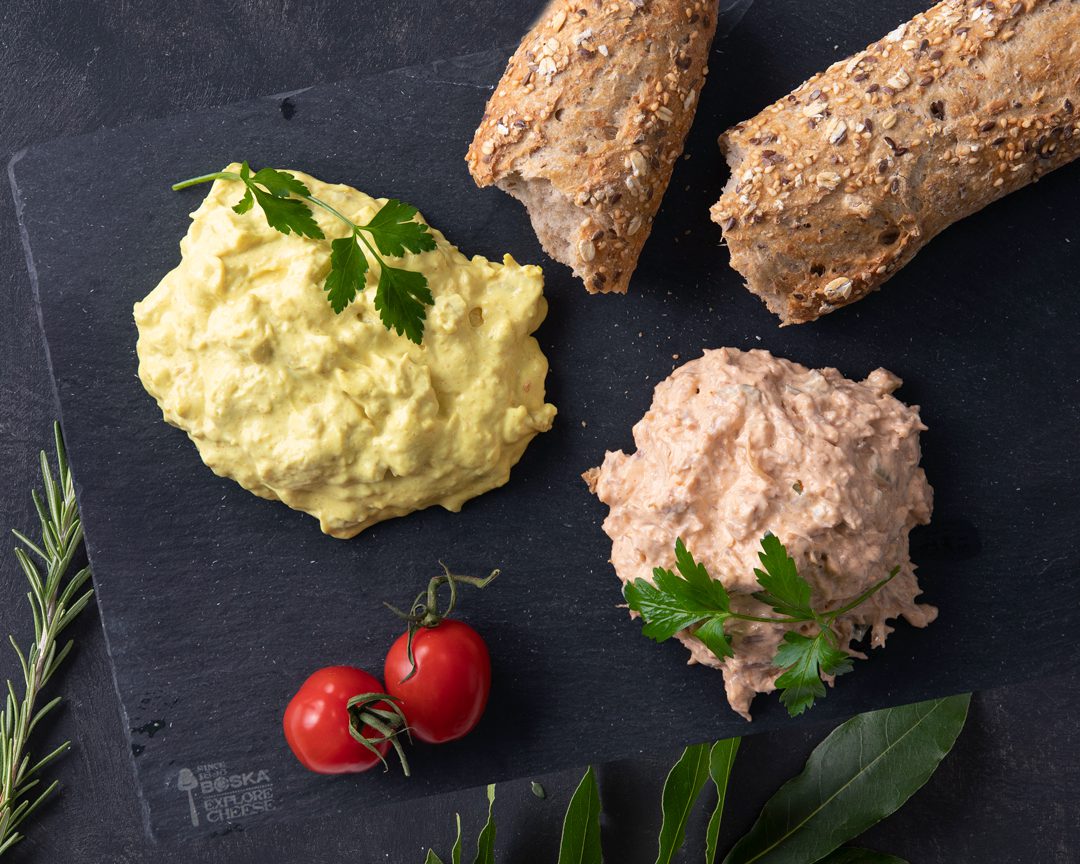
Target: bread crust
(588, 121)
(838, 185)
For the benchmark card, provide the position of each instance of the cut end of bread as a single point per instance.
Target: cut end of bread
(554, 218)
(565, 231)
(773, 297)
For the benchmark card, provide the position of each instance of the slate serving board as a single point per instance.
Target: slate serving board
(216, 604)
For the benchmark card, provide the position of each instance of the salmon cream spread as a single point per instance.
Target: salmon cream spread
(737, 444)
(334, 414)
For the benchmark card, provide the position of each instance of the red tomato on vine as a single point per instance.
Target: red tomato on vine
(340, 721)
(439, 669)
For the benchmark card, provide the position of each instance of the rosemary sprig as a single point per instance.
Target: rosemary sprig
(55, 601)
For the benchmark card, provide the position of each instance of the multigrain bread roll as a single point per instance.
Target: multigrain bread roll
(588, 120)
(836, 187)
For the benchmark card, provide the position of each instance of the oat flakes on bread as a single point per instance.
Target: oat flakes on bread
(838, 185)
(588, 121)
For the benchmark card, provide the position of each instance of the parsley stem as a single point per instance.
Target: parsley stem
(370, 248)
(205, 178)
(232, 175)
(332, 211)
(357, 230)
(318, 202)
(742, 617)
(866, 595)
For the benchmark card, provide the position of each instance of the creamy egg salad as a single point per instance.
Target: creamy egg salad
(333, 414)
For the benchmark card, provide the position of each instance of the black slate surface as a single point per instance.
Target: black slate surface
(920, 327)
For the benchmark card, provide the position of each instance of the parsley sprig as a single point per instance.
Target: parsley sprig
(693, 599)
(400, 296)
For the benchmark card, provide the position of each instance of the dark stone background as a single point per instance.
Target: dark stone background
(1008, 793)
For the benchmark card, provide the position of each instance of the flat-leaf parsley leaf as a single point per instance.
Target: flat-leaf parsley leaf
(396, 231)
(804, 661)
(785, 591)
(675, 603)
(400, 300)
(284, 214)
(348, 270)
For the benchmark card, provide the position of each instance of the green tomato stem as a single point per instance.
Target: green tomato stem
(389, 723)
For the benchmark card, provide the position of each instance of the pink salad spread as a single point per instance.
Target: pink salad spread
(737, 444)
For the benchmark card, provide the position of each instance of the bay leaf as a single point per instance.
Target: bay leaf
(485, 843)
(721, 758)
(580, 842)
(681, 790)
(864, 771)
(455, 853)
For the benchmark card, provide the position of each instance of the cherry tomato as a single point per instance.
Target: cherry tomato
(317, 722)
(446, 697)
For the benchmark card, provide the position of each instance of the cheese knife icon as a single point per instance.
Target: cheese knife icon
(186, 782)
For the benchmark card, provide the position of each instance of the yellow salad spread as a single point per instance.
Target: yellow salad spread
(334, 414)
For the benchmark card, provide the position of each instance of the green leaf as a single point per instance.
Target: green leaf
(280, 184)
(485, 843)
(864, 771)
(287, 215)
(664, 614)
(712, 633)
(804, 661)
(580, 842)
(348, 269)
(854, 855)
(681, 790)
(696, 589)
(400, 300)
(244, 204)
(538, 790)
(677, 602)
(395, 231)
(785, 590)
(10, 841)
(690, 569)
(721, 758)
(455, 851)
(432, 858)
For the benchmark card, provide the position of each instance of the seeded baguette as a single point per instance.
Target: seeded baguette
(838, 185)
(587, 123)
